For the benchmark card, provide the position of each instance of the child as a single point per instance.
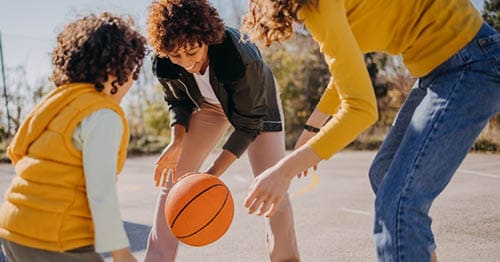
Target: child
(62, 204)
(212, 81)
(447, 46)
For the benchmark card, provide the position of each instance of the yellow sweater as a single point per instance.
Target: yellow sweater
(46, 205)
(425, 32)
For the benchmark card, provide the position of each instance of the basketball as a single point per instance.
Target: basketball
(199, 209)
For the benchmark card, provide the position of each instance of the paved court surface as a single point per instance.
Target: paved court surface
(333, 212)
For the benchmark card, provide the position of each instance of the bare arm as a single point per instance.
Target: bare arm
(225, 159)
(170, 156)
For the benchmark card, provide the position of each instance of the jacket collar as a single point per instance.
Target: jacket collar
(225, 60)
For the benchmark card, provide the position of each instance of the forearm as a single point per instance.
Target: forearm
(317, 118)
(177, 133)
(297, 161)
(225, 159)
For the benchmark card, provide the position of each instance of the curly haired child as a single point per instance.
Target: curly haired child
(62, 204)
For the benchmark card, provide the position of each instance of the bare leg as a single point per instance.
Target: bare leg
(264, 152)
(162, 244)
(206, 129)
(434, 257)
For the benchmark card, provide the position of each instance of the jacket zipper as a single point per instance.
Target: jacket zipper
(190, 97)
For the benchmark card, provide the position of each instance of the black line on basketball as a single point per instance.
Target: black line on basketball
(190, 201)
(212, 219)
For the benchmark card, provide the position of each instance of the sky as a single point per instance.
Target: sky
(28, 28)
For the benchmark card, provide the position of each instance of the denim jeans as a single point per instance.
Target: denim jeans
(435, 128)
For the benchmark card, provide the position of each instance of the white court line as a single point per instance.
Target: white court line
(355, 211)
(471, 172)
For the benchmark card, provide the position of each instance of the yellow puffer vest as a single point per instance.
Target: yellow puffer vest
(46, 205)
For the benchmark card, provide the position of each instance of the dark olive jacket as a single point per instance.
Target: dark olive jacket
(242, 82)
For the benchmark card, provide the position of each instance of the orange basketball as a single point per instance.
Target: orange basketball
(199, 209)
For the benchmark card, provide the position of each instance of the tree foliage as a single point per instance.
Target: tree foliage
(302, 76)
(491, 13)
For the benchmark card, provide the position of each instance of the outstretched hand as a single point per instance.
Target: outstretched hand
(266, 192)
(167, 161)
(268, 189)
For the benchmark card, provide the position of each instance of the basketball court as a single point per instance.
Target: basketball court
(333, 211)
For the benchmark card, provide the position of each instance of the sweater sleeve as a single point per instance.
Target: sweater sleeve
(99, 137)
(249, 107)
(349, 97)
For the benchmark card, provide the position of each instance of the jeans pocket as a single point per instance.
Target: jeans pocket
(491, 47)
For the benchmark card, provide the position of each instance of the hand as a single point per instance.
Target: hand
(167, 161)
(303, 138)
(267, 191)
(268, 188)
(167, 180)
(123, 255)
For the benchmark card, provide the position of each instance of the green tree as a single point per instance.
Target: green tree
(302, 75)
(491, 13)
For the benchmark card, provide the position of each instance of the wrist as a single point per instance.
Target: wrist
(311, 128)
(212, 170)
(297, 161)
(176, 141)
(221, 163)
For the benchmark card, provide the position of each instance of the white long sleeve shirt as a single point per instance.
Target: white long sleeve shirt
(98, 137)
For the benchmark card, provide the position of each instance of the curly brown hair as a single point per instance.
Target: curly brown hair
(173, 24)
(95, 46)
(269, 21)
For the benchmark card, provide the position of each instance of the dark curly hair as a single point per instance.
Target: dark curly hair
(269, 21)
(173, 24)
(95, 46)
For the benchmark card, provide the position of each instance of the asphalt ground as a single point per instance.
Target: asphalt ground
(333, 210)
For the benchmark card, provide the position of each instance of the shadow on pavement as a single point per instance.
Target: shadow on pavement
(137, 235)
(2, 257)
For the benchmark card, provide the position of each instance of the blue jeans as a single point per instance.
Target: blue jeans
(434, 130)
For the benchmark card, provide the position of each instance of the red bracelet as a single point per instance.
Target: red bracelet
(311, 128)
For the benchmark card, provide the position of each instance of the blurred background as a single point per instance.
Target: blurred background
(28, 30)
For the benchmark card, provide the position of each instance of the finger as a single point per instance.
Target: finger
(161, 182)
(265, 207)
(157, 176)
(315, 167)
(164, 177)
(251, 196)
(305, 172)
(170, 176)
(255, 205)
(272, 210)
